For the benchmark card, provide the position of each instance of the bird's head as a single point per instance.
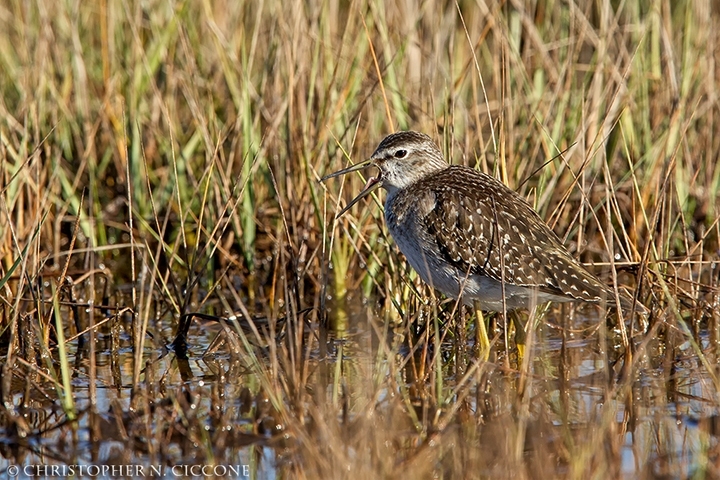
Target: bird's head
(403, 158)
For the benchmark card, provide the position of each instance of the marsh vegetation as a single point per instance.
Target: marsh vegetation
(161, 159)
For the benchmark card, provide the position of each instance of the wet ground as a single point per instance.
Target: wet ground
(236, 408)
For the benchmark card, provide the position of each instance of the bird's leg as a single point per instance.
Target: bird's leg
(520, 334)
(481, 332)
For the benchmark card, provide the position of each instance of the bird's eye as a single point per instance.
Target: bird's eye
(400, 154)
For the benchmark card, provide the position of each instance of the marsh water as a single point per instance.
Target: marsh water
(227, 407)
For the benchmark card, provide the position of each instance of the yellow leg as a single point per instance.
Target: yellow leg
(520, 335)
(482, 335)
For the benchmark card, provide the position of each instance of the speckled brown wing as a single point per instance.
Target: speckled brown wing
(476, 219)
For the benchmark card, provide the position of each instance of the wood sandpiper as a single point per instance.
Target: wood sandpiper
(470, 236)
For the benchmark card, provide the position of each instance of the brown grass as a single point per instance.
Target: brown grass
(159, 159)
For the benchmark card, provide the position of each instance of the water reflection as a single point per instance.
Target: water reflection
(387, 397)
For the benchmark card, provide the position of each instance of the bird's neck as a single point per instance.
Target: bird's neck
(391, 190)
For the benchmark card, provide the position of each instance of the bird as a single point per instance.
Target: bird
(470, 236)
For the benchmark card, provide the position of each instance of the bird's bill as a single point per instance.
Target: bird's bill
(372, 184)
(354, 168)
